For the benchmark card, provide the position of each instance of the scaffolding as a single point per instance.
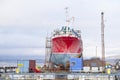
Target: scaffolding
(48, 50)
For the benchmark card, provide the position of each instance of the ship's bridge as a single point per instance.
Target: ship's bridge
(67, 31)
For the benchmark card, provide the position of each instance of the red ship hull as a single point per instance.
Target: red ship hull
(66, 45)
(64, 48)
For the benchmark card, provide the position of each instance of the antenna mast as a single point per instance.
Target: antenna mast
(67, 18)
(102, 39)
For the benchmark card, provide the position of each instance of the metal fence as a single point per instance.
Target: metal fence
(59, 76)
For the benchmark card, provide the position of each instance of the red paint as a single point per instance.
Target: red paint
(66, 44)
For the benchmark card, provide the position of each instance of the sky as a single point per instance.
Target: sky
(25, 24)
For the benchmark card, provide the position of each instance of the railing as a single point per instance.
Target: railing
(59, 76)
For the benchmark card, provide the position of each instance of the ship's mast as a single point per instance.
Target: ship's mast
(68, 19)
(102, 40)
(67, 16)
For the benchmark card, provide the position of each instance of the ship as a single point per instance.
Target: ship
(64, 44)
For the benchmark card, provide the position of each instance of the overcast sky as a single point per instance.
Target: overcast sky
(24, 25)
